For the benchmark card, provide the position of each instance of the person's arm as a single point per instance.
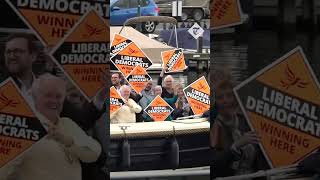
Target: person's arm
(136, 97)
(159, 81)
(221, 158)
(161, 77)
(83, 146)
(75, 140)
(10, 170)
(134, 107)
(143, 102)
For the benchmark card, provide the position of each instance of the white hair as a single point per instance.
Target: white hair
(158, 86)
(123, 87)
(168, 77)
(37, 83)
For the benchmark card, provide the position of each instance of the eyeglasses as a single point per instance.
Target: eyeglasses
(16, 52)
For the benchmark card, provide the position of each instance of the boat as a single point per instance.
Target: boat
(159, 145)
(146, 146)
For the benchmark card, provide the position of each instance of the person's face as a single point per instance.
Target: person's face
(75, 98)
(225, 101)
(180, 92)
(50, 97)
(115, 79)
(18, 59)
(125, 93)
(157, 91)
(168, 83)
(149, 86)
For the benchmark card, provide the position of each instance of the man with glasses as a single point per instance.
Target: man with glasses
(20, 53)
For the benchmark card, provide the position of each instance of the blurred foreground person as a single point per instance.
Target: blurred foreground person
(235, 149)
(58, 155)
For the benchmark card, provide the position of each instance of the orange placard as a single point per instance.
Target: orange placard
(281, 103)
(19, 126)
(138, 78)
(119, 42)
(130, 57)
(83, 54)
(174, 60)
(158, 109)
(116, 100)
(225, 13)
(198, 95)
(51, 20)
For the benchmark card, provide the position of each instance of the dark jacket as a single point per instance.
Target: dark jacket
(165, 93)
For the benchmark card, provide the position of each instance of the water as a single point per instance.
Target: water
(248, 52)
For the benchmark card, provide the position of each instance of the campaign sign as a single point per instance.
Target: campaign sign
(225, 13)
(281, 103)
(116, 100)
(19, 126)
(130, 57)
(158, 109)
(173, 60)
(83, 54)
(52, 19)
(119, 42)
(198, 95)
(138, 79)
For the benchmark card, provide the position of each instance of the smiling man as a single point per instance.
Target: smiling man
(58, 156)
(20, 53)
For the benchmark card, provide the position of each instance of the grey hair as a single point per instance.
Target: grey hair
(124, 87)
(37, 83)
(168, 77)
(157, 86)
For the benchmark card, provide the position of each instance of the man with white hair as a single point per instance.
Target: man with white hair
(127, 113)
(58, 155)
(167, 87)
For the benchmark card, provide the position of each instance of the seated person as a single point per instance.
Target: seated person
(127, 112)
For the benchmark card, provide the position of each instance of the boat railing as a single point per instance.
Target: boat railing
(185, 172)
(290, 172)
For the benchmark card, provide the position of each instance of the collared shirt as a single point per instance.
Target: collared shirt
(24, 87)
(50, 160)
(26, 91)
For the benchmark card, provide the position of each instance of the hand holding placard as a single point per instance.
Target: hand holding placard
(56, 133)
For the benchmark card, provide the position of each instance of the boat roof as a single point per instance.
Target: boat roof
(150, 47)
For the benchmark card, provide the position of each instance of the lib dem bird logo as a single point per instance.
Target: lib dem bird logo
(291, 79)
(6, 102)
(91, 31)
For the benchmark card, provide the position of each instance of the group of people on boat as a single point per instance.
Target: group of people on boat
(135, 103)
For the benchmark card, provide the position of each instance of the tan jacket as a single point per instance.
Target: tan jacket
(125, 114)
(50, 160)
